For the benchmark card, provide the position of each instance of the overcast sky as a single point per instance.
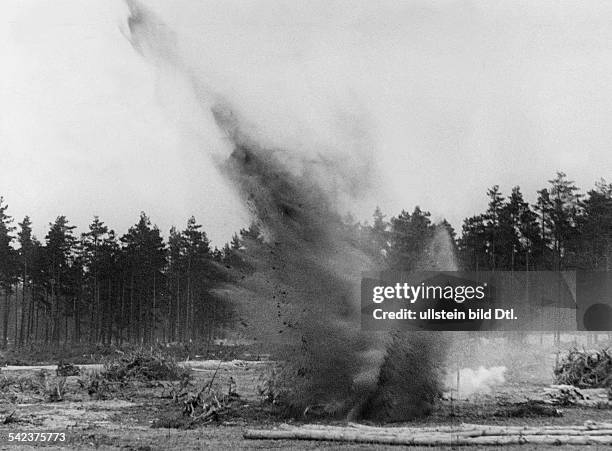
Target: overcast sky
(449, 98)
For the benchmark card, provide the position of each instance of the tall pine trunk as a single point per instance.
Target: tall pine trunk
(7, 311)
(24, 308)
(16, 330)
(28, 336)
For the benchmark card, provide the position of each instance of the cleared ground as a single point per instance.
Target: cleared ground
(124, 419)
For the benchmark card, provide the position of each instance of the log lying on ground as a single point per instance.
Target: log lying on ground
(463, 435)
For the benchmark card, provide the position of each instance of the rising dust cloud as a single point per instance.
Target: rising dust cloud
(302, 300)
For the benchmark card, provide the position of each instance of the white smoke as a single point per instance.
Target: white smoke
(467, 382)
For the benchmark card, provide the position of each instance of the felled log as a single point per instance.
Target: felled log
(591, 434)
(474, 430)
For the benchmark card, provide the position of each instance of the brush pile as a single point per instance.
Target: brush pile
(200, 407)
(585, 369)
(143, 366)
(38, 387)
(66, 369)
(207, 405)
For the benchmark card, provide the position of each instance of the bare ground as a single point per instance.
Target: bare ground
(124, 420)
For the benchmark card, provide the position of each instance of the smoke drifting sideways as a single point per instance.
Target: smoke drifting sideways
(302, 299)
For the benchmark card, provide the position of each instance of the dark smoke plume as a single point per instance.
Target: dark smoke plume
(302, 298)
(410, 378)
(305, 286)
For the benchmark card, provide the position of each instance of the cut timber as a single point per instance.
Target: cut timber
(461, 435)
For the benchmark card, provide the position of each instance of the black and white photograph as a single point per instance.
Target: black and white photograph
(305, 224)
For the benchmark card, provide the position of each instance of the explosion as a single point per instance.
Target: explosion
(302, 298)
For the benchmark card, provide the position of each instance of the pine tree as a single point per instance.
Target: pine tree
(594, 246)
(233, 253)
(104, 282)
(473, 244)
(543, 207)
(26, 255)
(449, 228)
(145, 254)
(251, 236)
(378, 237)
(60, 243)
(92, 242)
(409, 235)
(8, 273)
(197, 258)
(217, 255)
(235, 243)
(524, 221)
(39, 291)
(563, 209)
(493, 228)
(176, 252)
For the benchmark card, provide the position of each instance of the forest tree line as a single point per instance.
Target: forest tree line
(562, 230)
(100, 287)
